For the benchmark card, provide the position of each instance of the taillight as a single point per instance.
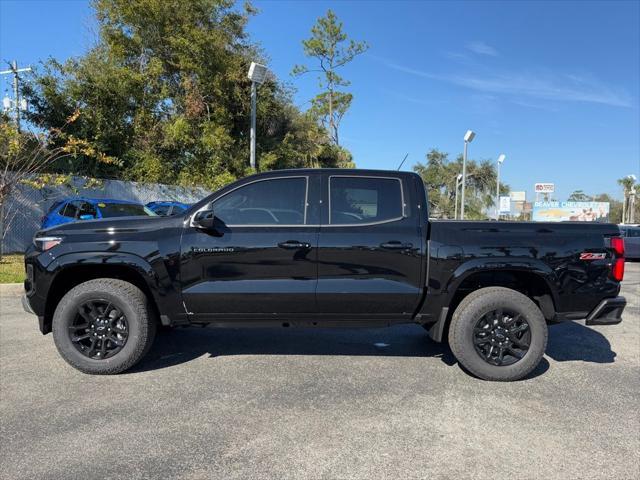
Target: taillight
(617, 268)
(617, 243)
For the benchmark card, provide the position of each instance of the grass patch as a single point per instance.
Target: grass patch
(12, 269)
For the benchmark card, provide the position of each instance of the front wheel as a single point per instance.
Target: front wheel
(103, 326)
(498, 334)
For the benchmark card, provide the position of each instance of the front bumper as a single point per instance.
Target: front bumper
(608, 312)
(44, 328)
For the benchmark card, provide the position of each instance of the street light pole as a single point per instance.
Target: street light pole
(468, 138)
(252, 133)
(458, 177)
(257, 74)
(500, 160)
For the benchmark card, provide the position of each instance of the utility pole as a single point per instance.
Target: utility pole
(17, 105)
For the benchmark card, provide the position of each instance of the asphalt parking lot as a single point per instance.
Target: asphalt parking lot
(366, 404)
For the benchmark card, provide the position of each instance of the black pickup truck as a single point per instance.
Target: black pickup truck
(322, 248)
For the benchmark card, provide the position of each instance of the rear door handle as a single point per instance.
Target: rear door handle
(395, 245)
(294, 245)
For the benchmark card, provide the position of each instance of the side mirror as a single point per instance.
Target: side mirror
(204, 220)
(87, 217)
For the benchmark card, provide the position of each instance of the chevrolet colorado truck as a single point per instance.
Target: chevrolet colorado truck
(317, 247)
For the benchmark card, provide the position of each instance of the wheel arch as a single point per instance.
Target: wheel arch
(531, 278)
(71, 270)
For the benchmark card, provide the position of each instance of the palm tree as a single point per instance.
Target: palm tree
(627, 184)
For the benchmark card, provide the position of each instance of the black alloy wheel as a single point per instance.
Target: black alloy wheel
(100, 330)
(501, 337)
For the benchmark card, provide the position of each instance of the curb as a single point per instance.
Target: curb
(11, 288)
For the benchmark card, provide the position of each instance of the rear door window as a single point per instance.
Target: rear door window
(87, 209)
(362, 200)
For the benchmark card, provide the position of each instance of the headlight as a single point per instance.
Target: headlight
(46, 243)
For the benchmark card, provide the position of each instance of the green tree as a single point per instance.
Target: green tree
(630, 189)
(615, 206)
(439, 176)
(164, 94)
(332, 49)
(579, 196)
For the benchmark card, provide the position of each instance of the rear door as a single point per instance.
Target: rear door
(261, 259)
(369, 261)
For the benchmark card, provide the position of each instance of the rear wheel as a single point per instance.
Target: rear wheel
(103, 326)
(498, 334)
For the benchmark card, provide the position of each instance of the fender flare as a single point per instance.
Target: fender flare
(130, 261)
(478, 265)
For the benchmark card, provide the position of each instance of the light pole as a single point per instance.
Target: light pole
(458, 178)
(17, 104)
(468, 138)
(257, 74)
(500, 161)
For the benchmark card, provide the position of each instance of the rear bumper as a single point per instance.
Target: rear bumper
(608, 312)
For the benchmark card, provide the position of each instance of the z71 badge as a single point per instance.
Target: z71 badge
(592, 256)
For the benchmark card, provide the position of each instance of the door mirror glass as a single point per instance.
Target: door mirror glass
(204, 219)
(86, 216)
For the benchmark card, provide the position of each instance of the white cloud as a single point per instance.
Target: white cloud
(544, 85)
(482, 48)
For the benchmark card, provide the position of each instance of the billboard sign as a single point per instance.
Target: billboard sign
(518, 196)
(505, 205)
(571, 212)
(544, 187)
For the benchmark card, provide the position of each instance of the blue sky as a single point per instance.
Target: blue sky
(553, 85)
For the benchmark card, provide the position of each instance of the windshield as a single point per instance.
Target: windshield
(110, 210)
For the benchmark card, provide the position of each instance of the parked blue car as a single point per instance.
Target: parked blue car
(73, 209)
(167, 208)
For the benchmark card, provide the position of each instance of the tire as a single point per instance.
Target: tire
(127, 300)
(476, 314)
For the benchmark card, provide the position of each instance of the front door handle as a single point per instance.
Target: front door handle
(396, 245)
(294, 245)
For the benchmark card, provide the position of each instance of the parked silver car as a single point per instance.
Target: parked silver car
(631, 234)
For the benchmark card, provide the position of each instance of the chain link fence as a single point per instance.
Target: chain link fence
(27, 205)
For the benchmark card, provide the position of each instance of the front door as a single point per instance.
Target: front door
(260, 261)
(369, 262)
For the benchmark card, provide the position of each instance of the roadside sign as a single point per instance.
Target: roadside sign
(544, 187)
(518, 196)
(505, 204)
